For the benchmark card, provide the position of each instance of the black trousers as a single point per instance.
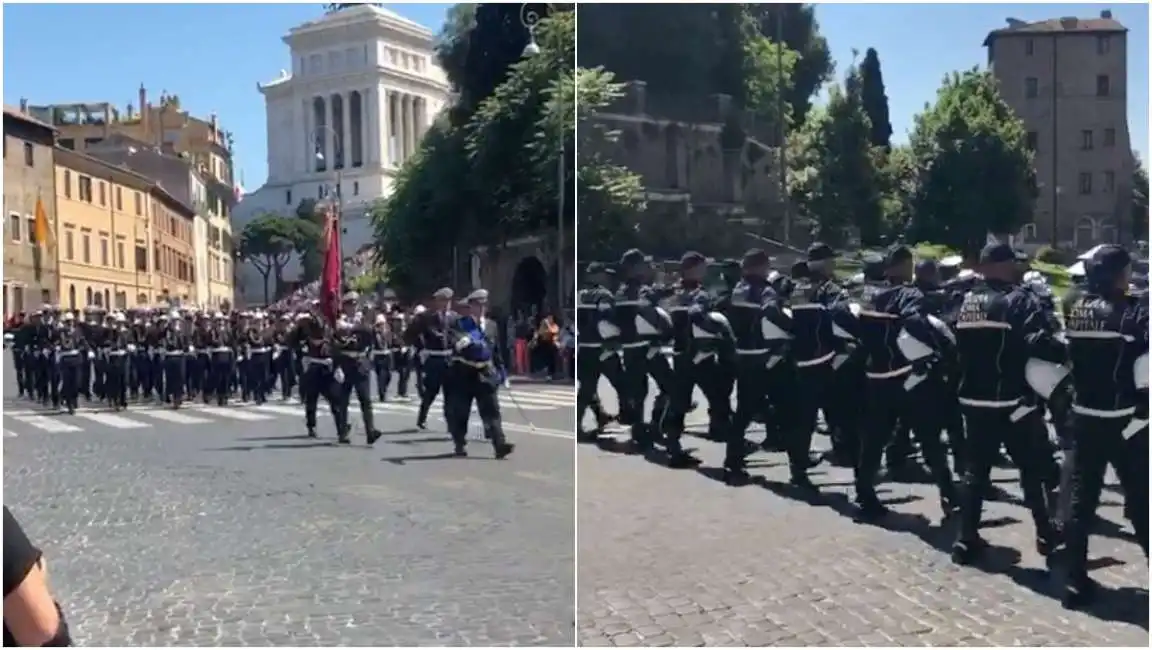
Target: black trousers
(259, 364)
(463, 387)
(710, 374)
(888, 404)
(432, 383)
(175, 369)
(116, 380)
(1096, 443)
(988, 429)
(753, 380)
(317, 381)
(69, 368)
(382, 365)
(591, 364)
(219, 377)
(357, 378)
(402, 364)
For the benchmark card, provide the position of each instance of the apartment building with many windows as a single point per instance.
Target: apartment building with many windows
(1067, 79)
(30, 266)
(123, 240)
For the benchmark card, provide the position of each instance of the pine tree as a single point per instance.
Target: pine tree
(875, 100)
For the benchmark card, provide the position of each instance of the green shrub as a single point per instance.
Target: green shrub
(1050, 255)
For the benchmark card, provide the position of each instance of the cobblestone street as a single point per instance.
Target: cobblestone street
(249, 533)
(673, 557)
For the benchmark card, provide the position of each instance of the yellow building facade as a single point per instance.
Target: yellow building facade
(115, 230)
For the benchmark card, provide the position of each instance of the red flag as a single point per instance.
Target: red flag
(330, 278)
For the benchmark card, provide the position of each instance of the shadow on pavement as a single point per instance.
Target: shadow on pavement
(276, 445)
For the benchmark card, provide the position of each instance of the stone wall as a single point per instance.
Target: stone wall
(709, 172)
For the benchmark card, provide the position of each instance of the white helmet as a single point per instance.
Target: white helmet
(381, 319)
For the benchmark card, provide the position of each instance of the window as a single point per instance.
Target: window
(85, 183)
(32, 231)
(1086, 139)
(355, 188)
(103, 195)
(1109, 182)
(119, 199)
(1103, 44)
(67, 143)
(141, 258)
(1085, 183)
(120, 254)
(320, 191)
(1109, 137)
(139, 205)
(1031, 87)
(142, 299)
(29, 154)
(103, 251)
(1033, 140)
(67, 184)
(1103, 85)
(86, 249)
(92, 142)
(14, 227)
(46, 296)
(69, 245)
(1029, 47)
(288, 197)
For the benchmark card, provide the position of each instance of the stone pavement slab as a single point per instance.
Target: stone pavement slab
(248, 533)
(676, 558)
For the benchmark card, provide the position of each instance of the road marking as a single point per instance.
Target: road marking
(10, 434)
(175, 417)
(280, 409)
(114, 421)
(46, 424)
(231, 412)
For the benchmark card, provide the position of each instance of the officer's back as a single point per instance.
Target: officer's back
(996, 326)
(1106, 331)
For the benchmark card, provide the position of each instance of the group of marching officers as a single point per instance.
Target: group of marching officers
(985, 357)
(179, 355)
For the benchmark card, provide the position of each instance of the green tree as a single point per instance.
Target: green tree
(267, 242)
(974, 172)
(309, 244)
(768, 73)
(834, 178)
(485, 175)
(607, 195)
(797, 27)
(875, 100)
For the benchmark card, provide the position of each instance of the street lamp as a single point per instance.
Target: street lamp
(338, 194)
(530, 18)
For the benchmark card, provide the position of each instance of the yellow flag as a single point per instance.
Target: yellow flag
(41, 223)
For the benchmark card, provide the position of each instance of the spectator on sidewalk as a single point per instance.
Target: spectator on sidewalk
(545, 349)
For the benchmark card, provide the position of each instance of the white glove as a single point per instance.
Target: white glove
(275, 354)
(462, 343)
(91, 355)
(423, 356)
(131, 347)
(338, 376)
(508, 384)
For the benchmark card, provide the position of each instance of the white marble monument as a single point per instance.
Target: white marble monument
(363, 89)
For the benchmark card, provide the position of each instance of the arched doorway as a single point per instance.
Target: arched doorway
(1085, 233)
(529, 286)
(71, 296)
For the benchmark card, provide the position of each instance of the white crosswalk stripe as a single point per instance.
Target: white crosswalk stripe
(144, 416)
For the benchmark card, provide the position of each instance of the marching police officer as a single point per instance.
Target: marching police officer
(1107, 333)
(474, 374)
(1000, 327)
(429, 333)
(597, 354)
(353, 343)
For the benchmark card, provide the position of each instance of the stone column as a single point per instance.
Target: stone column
(367, 125)
(347, 136)
(305, 165)
(386, 129)
(410, 107)
(329, 135)
(401, 128)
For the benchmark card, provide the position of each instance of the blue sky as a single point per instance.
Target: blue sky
(224, 50)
